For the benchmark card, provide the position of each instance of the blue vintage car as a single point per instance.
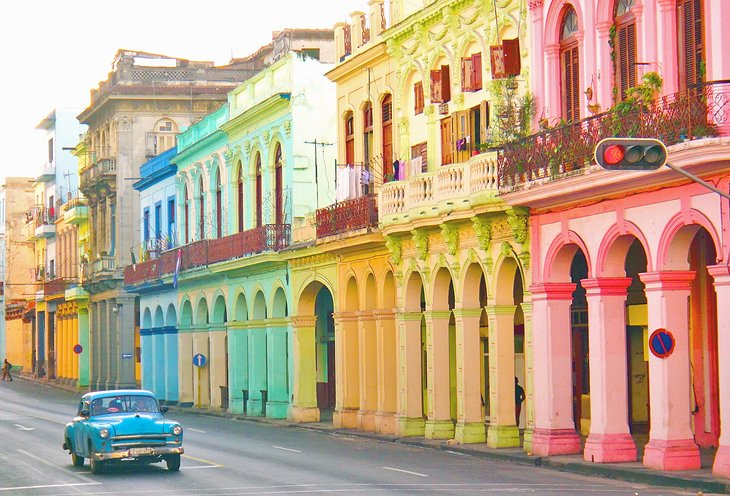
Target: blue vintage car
(123, 424)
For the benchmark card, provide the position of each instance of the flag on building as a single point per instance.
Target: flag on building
(177, 268)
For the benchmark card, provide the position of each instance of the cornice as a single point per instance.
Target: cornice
(353, 64)
(274, 102)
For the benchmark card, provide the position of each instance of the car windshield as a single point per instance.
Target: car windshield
(123, 404)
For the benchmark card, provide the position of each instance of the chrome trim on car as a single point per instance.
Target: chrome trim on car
(153, 451)
(141, 436)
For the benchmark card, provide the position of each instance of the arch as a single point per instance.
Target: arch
(474, 277)
(507, 272)
(554, 20)
(220, 314)
(278, 185)
(442, 289)
(201, 312)
(352, 299)
(371, 293)
(389, 291)
(614, 247)
(559, 257)
(259, 306)
(159, 320)
(279, 308)
(305, 304)
(241, 309)
(677, 237)
(147, 319)
(413, 294)
(186, 314)
(171, 316)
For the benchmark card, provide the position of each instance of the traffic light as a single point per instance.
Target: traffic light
(640, 154)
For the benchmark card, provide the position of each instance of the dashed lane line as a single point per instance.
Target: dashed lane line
(287, 449)
(405, 471)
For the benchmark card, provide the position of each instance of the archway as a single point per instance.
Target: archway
(325, 352)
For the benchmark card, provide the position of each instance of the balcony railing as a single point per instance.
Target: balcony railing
(348, 215)
(684, 116)
(103, 167)
(55, 286)
(103, 264)
(271, 237)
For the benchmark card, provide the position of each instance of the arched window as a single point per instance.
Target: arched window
(690, 27)
(186, 205)
(162, 137)
(570, 82)
(387, 130)
(201, 210)
(240, 196)
(259, 191)
(279, 185)
(218, 205)
(349, 139)
(625, 47)
(367, 139)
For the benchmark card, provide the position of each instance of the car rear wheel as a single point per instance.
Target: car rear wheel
(173, 462)
(77, 460)
(95, 465)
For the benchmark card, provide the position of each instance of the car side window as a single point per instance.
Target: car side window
(82, 405)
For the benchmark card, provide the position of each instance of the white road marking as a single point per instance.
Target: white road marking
(51, 464)
(17, 488)
(286, 449)
(24, 428)
(194, 430)
(405, 471)
(201, 466)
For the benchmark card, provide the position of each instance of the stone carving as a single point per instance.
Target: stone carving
(483, 231)
(525, 259)
(451, 238)
(287, 129)
(518, 223)
(420, 240)
(506, 250)
(395, 246)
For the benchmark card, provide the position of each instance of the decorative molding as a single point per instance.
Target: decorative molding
(506, 250)
(502, 231)
(420, 240)
(483, 230)
(525, 259)
(287, 129)
(517, 220)
(451, 238)
(395, 246)
(321, 258)
(535, 4)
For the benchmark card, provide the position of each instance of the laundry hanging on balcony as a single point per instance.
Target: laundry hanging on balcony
(349, 181)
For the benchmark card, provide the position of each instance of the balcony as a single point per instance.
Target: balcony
(457, 187)
(99, 274)
(55, 288)
(41, 223)
(568, 150)
(99, 178)
(347, 216)
(75, 211)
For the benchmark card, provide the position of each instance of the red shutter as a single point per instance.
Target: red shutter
(466, 74)
(691, 52)
(240, 198)
(445, 84)
(496, 56)
(418, 97)
(447, 141)
(347, 35)
(436, 95)
(570, 83)
(476, 67)
(512, 63)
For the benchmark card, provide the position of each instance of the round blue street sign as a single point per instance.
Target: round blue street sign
(199, 360)
(78, 349)
(661, 343)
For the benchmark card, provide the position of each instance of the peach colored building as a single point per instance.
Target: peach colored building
(618, 255)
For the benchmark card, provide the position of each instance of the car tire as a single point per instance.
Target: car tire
(95, 465)
(77, 460)
(173, 462)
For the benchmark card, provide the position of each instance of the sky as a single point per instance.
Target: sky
(54, 52)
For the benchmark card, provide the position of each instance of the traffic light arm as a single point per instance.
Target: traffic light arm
(698, 180)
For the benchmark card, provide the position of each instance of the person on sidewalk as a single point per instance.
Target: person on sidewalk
(6, 371)
(519, 399)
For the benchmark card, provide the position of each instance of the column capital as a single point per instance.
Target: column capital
(500, 309)
(553, 291)
(304, 321)
(409, 316)
(606, 286)
(720, 273)
(437, 314)
(384, 313)
(669, 280)
(467, 312)
(345, 316)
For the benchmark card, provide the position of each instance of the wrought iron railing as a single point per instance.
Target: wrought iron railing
(341, 217)
(684, 116)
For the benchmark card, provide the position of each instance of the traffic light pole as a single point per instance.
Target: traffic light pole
(698, 180)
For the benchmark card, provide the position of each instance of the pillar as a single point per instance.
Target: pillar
(368, 361)
(257, 369)
(503, 431)
(410, 414)
(554, 432)
(671, 443)
(609, 439)
(84, 357)
(721, 276)
(529, 406)
(387, 390)
(439, 424)
(304, 405)
(218, 363)
(185, 364)
(347, 375)
(469, 422)
(278, 369)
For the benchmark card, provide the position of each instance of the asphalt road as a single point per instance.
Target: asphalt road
(228, 457)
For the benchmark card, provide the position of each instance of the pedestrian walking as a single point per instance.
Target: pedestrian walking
(519, 399)
(6, 371)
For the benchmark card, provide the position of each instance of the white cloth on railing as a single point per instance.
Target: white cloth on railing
(349, 182)
(415, 166)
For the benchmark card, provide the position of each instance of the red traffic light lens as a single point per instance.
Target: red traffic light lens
(613, 154)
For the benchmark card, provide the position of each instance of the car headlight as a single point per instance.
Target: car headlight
(104, 433)
(177, 430)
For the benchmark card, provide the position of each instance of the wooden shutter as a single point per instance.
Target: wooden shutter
(436, 87)
(512, 63)
(445, 83)
(259, 193)
(691, 51)
(347, 35)
(476, 67)
(626, 64)
(447, 141)
(483, 121)
(496, 56)
(240, 197)
(461, 126)
(387, 136)
(570, 83)
(279, 185)
(466, 74)
(418, 97)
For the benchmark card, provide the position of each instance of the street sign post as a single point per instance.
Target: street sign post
(199, 361)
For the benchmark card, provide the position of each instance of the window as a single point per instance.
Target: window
(440, 85)
(171, 222)
(146, 226)
(312, 53)
(201, 210)
(367, 118)
(387, 132)
(447, 141)
(259, 191)
(158, 221)
(240, 196)
(279, 185)
(218, 206)
(186, 206)
(625, 47)
(50, 151)
(691, 49)
(418, 98)
(471, 73)
(570, 84)
(469, 129)
(349, 139)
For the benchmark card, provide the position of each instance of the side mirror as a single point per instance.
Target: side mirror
(84, 413)
(164, 409)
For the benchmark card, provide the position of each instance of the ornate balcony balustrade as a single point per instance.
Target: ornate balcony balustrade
(55, 287)
(445, 188)
(99, 178)
(342, 217)
(684, 116)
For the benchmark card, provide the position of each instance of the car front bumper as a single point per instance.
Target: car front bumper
(139, 453)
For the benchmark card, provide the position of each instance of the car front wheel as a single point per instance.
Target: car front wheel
(77, 460)
(95, 465)
(173, 462)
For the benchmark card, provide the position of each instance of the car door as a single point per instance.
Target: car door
(79, 427)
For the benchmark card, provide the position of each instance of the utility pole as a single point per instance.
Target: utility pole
(317, 144)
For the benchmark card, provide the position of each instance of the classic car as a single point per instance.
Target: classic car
(112, 426)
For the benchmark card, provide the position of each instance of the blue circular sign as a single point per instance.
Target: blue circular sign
(661, 343)
(78, 349)
(199, 360)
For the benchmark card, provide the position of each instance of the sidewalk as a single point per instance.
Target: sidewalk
(697, 480)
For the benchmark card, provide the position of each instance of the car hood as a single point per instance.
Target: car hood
(125, 425)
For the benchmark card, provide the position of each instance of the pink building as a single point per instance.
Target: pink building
(616, 255)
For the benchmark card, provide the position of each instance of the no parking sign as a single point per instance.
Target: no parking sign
(661, 343)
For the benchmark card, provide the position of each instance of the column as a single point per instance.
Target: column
(185, 364)
(368, 360)
(609, 439)
(122, 325)
(347, 374)
(667, 37)
(304, 405)
(278, 370)
(237, 366)
(201, 375)
(529, 380)
(256, 369)
(554, 432)
(503, 431)
(671, 442)
(410, 415)
(438, 424)
(84, 357)
(469, 422)
(218, 363)
(385, 330)
(721, 275)
(148, 351)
